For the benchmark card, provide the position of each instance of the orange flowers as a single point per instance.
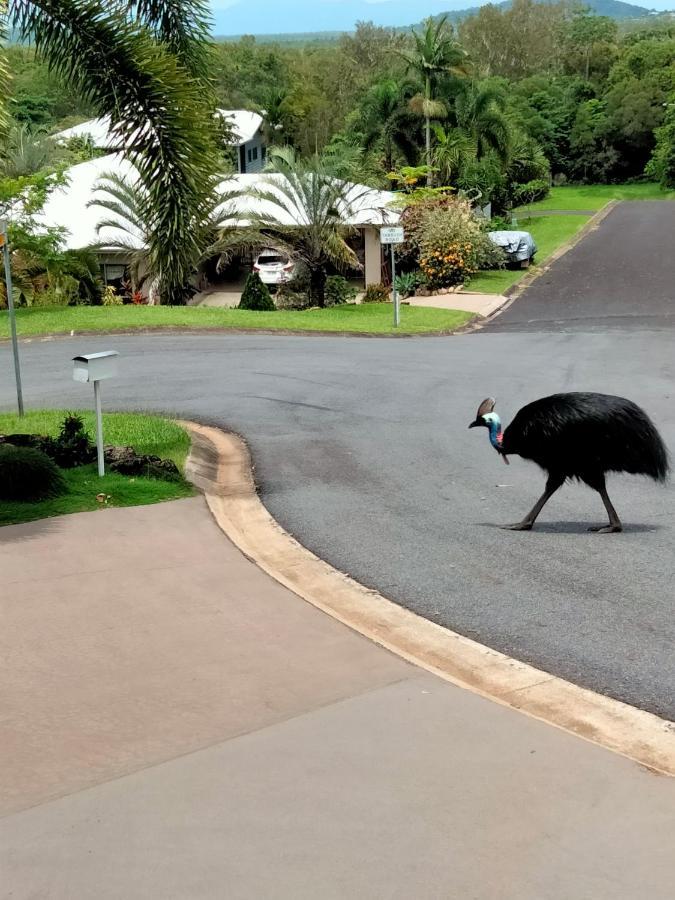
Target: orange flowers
(447, 266)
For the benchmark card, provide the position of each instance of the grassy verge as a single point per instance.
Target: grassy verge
(549, 233)
(147, 434)
(594, 196)
(370, 318)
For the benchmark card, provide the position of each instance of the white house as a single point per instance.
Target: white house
(247, 133)
(247, 127)
(366, 210)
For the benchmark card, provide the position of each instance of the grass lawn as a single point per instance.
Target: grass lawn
(549, 233)
(594, 196)
(369, 318)
(147, 434)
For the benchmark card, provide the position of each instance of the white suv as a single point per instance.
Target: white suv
(273, 267)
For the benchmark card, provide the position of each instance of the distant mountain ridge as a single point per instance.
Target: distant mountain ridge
(615, 9)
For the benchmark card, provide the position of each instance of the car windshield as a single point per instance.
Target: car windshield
(272, 259)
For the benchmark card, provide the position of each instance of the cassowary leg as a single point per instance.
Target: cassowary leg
(614, 520)
(554, 482)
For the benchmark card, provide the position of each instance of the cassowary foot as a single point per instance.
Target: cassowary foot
(606, 529)
(519, 526)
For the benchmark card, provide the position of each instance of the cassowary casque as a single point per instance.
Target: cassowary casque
(581, 436)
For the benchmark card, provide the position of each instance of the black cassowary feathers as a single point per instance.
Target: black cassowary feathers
(579, 434)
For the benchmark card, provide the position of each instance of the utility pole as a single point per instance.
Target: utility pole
(4, 242)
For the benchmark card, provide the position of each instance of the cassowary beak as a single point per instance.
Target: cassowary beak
(475, 424)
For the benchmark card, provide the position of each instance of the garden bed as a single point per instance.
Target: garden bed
(84, 490)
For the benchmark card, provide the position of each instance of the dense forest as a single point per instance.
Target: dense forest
(497, 109)
(514, 95)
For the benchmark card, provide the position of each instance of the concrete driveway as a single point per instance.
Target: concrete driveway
(362, 452)
(178, 725)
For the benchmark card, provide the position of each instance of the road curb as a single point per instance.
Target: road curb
(220, 465)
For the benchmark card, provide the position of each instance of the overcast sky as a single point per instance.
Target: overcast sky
(271, 16)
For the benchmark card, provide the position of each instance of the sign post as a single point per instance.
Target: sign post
(4, 243)
(392, 236)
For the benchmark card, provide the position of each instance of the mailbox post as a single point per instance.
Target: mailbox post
(392, 236)
(96, 367)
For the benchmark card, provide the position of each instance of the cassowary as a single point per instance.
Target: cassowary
(581, 436)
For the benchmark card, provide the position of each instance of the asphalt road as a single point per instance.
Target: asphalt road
(362, 451)
(619, 276)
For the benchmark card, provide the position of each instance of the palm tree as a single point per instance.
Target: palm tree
(4, 80)
(275, 115)
(26, 151)
(454, 149)
(479, 112)
(126, 201)
(145, 64)
(387, 121)
(435, 54)
(302, 210)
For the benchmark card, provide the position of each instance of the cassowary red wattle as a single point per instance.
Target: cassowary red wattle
(579, 435)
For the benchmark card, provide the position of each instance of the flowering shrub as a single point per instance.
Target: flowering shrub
(448, 266)
(454, 244)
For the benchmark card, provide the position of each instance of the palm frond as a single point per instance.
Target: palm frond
(123, 198)
(183, 26)
(157, 109)
(4, 78)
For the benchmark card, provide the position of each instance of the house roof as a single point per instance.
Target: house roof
(245, 125)
(362, 206)
(67, 207)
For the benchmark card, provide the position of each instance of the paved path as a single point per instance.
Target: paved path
(483, 304)
(177, 725)
(362, 451)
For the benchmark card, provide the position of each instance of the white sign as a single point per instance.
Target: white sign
(392, 235)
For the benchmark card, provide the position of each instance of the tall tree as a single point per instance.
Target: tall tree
(479, 112)
(4, 76)
(518, 40)
(387, 122)
(142, 63)
(590, 44)
(435, 54)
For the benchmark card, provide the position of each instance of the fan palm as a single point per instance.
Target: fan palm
(302, 209)
(143, 63)
(128, 228)
(454, 148)
(479, 113)
(435, 54)
(387, 121)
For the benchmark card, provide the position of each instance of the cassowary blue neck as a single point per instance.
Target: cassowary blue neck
(495, 429)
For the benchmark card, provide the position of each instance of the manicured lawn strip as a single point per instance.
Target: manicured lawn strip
(595, 196)
(549, 233)
(370, 318)
(147, 434)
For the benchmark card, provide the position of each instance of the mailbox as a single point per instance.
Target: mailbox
(95, 366)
